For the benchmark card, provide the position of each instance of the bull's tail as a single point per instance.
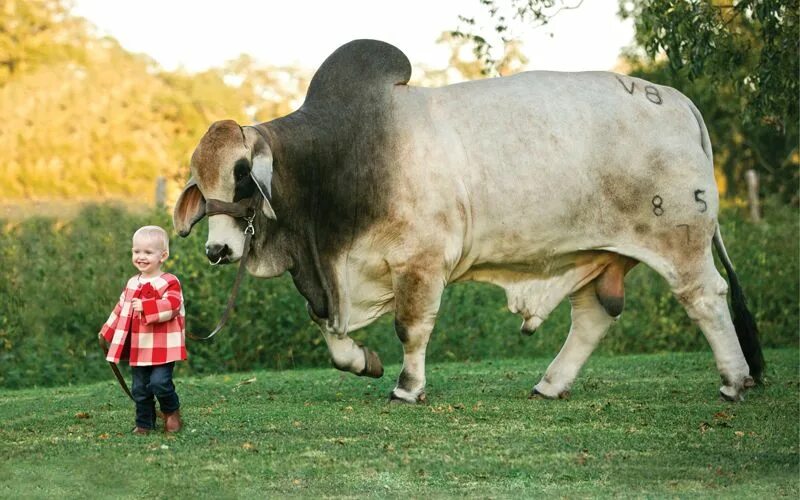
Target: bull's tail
(743, 321)
(705, 140)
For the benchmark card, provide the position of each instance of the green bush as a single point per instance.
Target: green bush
(60, 280)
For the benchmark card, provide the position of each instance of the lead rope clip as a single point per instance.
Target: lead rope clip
(250, 229)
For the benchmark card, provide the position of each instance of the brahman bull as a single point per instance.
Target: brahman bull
(375, 195)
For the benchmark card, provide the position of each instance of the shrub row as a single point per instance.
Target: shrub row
(60, 279)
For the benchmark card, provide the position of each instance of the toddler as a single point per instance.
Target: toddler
(147, 328)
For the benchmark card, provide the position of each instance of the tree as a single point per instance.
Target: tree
(269, 92)
(506, 20)
(35, 32)
(738, 59)
(753, 44)
(84, 118)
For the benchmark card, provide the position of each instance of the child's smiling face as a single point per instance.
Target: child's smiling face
(148, 254)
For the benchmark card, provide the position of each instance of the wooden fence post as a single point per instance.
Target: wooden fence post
(161, 191)
(752, 195)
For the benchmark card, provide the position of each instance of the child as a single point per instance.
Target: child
(147, 328)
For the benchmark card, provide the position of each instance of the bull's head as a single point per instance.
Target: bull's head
(231, 174)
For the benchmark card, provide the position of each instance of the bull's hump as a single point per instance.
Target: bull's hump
(335, 154)
(359, 68)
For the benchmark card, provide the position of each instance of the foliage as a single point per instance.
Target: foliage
(505, 21)
(739, 62)
(751, 44)
(34, 33)
(269, 92)
(83, 118)
(59, 282)
(635, 426)
(107, 127)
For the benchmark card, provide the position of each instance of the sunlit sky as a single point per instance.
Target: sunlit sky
(198, 34)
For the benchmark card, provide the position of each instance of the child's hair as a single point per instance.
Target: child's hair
(154, 233)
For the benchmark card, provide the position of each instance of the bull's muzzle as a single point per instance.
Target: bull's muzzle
(218, 254)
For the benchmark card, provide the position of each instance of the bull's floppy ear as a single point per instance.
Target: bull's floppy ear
(262, 175)
(261, 169)
(190, 208)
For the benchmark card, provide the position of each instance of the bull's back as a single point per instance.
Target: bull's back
(556, 162)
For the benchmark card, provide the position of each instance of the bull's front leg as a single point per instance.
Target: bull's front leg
(418, 293)
(348, 356)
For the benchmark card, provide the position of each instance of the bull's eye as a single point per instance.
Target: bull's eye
(241, 170)
(245, 187)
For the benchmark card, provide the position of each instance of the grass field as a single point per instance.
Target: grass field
(635, 426)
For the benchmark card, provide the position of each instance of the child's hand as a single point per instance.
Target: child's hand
(136, 304)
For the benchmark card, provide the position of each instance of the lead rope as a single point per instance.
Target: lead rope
(114, 369)
(248, 232)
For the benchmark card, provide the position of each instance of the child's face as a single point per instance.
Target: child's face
(147, 255)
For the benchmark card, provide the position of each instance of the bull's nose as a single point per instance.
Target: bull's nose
(217, 253)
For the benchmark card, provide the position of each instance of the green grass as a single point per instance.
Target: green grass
(635, 426)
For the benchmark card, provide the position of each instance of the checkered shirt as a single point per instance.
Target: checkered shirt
(157, 333)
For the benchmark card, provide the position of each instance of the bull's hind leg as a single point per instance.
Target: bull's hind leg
(418, 293)
(703, 295)
(590, 322)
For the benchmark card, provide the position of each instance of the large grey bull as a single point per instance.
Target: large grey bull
(375, 195)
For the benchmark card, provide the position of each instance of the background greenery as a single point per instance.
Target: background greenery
(59, 281)
(85, 119)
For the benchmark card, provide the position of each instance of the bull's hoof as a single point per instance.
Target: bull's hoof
(728, 393)
(373, 366)
(749, 383)
(530, 325)
(403, 397)
(537, 394)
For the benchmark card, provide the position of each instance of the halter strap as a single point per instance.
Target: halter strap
(239, 209)
(243, 209)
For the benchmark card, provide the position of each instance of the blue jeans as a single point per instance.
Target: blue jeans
(149, 381)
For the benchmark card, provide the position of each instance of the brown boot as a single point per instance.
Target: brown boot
(172, 421)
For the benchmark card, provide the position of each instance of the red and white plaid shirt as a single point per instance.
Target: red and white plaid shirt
(157, 333)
